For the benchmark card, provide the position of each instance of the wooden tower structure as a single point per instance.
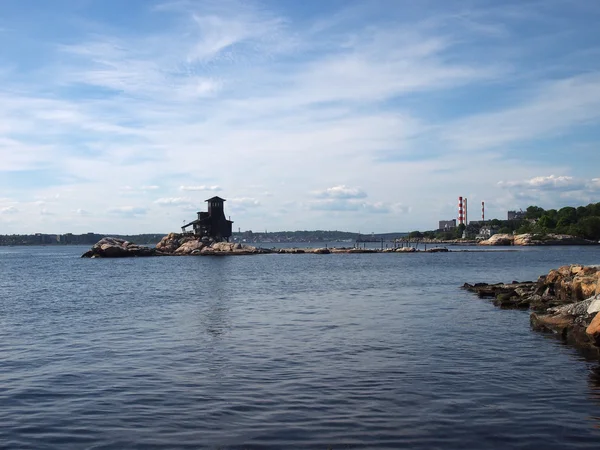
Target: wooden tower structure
(212, 223)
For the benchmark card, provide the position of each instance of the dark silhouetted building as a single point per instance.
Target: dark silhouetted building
(212, 223)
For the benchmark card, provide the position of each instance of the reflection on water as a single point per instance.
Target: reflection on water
(214, 316)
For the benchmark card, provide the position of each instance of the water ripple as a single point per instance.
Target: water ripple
(352, 351)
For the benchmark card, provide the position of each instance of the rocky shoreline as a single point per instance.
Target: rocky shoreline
(566, 302)
(178, 244)
(536, 239)
(527, 239)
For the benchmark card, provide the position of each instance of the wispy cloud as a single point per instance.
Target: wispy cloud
(555, 108)
(9, 210)
(354, 205)
(128, 211)
(200, 188)
(550, 182)
(413, 104)
(173, 201)
(554, 191)
(341, 192)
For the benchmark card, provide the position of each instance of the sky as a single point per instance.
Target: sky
(370, 115)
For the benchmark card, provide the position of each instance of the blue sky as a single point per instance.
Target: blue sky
(123, 117)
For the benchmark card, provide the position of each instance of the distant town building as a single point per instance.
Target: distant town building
(212, 223)
(486, 232)
(516, 215)
(447, 224)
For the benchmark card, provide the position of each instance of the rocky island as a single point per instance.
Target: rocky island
(182, 244)
(174, 244)
(566, 301)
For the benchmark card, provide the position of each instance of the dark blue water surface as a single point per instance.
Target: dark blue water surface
(284, 351)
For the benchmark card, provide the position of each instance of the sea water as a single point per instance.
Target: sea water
(284, 351)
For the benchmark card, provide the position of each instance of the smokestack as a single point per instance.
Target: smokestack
(465, 209)
(460, 210)
(483, 211)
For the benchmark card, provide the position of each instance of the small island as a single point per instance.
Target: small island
(210, 236)
(211, 233)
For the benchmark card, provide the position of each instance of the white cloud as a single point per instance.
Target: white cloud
(243, 201)
(550, 182)
(200, 188)
(128, 211)
(173, 201)
(553, 191)
(353, 205)
(341, 192)
(9, 210)
(594, 183)
(239, 95)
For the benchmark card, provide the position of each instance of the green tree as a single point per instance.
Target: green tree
(567, 216)
(590, 227)
(526, 227)
(534, 212)
(495, 223)
(582, 212)
(546, 222)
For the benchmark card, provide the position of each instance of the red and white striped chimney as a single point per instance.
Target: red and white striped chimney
(460, 210)
(483, 211)
(465, 212)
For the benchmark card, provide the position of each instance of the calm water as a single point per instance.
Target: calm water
(284, 351)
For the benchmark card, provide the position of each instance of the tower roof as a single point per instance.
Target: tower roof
(213, 199)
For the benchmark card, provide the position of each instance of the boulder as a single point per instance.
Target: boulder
(173, 241)
(231, 248)
(109, 247)
(535, 239)
(207, 251)
(234, 248)
(565, 302)
(593, 330)
(573, 309)
(523, 239)
(224, 246)
(584, 286)
(594, 305)
(291, 250)
(548, 322)
(564, 239)
(406, 249)
(499, 239)
(113, 251)
(189, 247)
